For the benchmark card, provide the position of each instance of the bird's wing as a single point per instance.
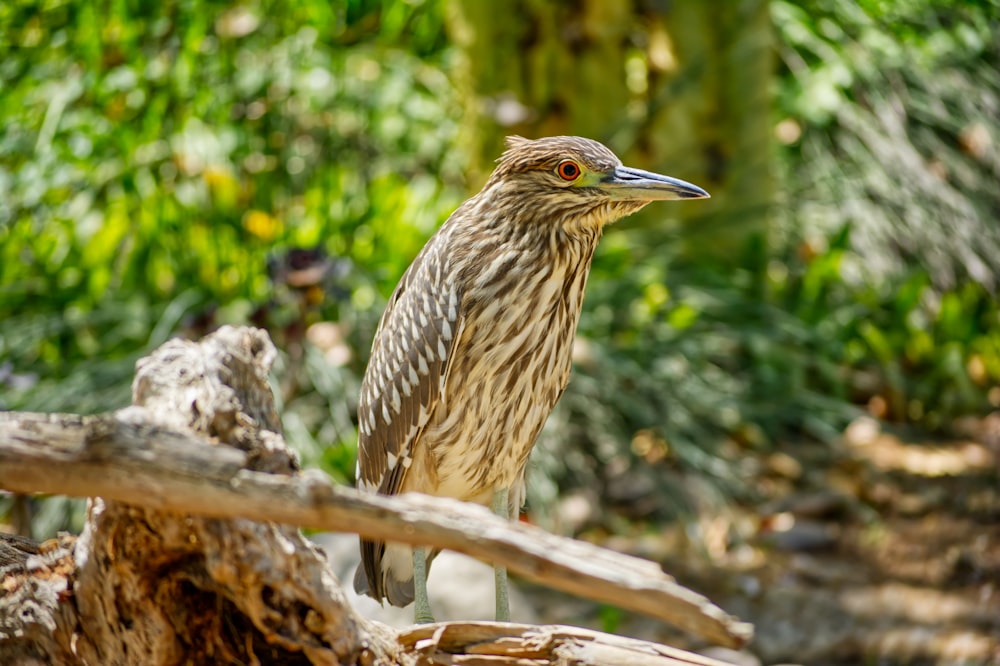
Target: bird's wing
(406, 375)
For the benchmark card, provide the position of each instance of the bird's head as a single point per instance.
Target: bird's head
(572, 180)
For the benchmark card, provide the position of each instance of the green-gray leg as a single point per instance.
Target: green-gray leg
(421, 605)
(501, 507)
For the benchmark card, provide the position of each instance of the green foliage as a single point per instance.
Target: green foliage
(611, 618)
(892, 107)
(922, 354)
(888, 138)
(153, 156)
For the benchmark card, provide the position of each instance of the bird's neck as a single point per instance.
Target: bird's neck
(542, 236)
(513, 253)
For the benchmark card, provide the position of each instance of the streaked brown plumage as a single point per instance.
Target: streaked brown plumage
(474, 348)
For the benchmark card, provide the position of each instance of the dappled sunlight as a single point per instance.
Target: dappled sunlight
(951, 646)
(921, 605)
(889, 452)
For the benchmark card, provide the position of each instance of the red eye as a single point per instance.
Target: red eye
(568, 170)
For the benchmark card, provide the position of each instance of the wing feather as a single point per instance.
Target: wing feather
(404, 382)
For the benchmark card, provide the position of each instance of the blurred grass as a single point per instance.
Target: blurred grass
(159, 164)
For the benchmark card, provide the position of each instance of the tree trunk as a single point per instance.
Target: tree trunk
(539, 69)
(678, 87)
(709, 114)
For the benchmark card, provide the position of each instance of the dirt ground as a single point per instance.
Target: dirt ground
(883, 549)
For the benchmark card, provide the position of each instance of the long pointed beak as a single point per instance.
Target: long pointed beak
(636, 184)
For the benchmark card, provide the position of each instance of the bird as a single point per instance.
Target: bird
(474, 348)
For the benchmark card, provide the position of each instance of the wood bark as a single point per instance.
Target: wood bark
(178, 561)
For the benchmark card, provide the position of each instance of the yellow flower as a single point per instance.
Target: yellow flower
(262, 225)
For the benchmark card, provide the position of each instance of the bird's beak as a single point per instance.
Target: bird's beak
(636, 184)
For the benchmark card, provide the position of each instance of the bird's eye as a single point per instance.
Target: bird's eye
(568, 170)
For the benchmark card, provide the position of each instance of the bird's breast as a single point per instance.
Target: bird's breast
(510, 366)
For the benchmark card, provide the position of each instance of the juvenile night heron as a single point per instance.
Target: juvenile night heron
(474, 348)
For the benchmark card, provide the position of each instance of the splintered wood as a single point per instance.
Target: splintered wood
(494, 643)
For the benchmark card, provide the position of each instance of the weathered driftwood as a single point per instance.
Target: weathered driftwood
(15, 549)
(177, 560)
(485, 643)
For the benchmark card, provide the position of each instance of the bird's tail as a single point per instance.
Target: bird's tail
(386, 572)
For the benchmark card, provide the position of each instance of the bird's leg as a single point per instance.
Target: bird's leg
(501, 507)
(421, 605)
